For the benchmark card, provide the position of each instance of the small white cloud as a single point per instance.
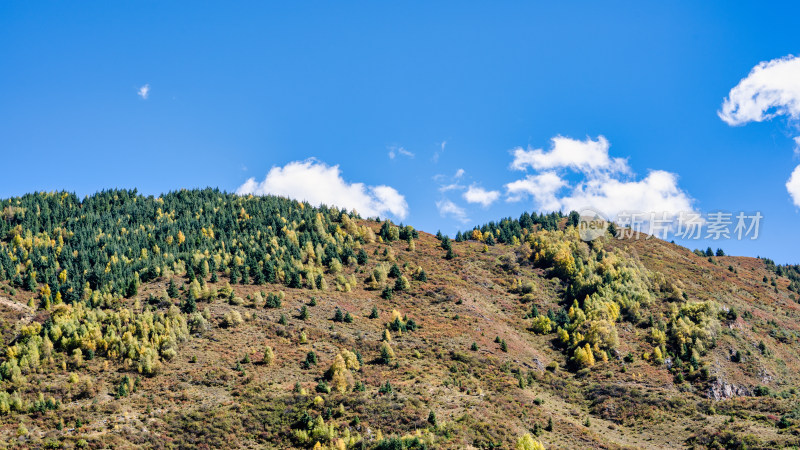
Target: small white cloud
(584, 156)
(480, 195)
(543, 187)
(771, 89)
(395, 151)
(793, 186)
(451, 187)
(438, 153)
(448, 208)
(144, 92)
(318, 183)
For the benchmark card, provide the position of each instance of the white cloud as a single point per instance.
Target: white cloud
(438, 153)
(771, 89)
(144, 92)
(454, 185)
(793, 186)
(584, 156)
(599, 182)
(318, 183)
(480, 195)
(658, 192)
(451, 187)
(543, 187)
(394, 151)
(448, 208)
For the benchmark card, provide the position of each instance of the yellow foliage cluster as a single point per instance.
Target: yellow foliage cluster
(138, 339)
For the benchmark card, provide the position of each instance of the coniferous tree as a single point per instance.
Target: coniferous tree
(172, 289)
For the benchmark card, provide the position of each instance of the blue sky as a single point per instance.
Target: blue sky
(236, 91)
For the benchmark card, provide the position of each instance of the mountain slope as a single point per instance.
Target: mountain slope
(478, 359)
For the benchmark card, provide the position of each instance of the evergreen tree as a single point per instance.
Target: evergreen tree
(172, 289)
(432, 418)
(362, 257)
(190, 305)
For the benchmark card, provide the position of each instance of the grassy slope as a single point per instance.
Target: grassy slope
(475, 394)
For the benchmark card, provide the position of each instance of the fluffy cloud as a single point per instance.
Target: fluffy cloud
(600, 181)
(318, 183)
(771, 89)
(584, 156)
(144, 92)
(448, 208)
(658, 192)
(793, 186)
(480, 195)
(543, 187)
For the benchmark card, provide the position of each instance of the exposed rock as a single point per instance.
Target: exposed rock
(721, 390)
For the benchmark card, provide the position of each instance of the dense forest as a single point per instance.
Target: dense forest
(91, 254)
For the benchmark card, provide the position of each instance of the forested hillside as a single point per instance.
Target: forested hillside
(206, 319)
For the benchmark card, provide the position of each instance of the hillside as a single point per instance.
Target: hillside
(201, 319)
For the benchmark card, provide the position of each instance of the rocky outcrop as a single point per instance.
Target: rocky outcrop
(721, 390)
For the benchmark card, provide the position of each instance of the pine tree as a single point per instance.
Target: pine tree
(362, 258)
(172, 289)
(432, 418)
(374, 313)
(311, 359)
(190, 304)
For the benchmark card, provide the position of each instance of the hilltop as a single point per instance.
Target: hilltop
(201, 319)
